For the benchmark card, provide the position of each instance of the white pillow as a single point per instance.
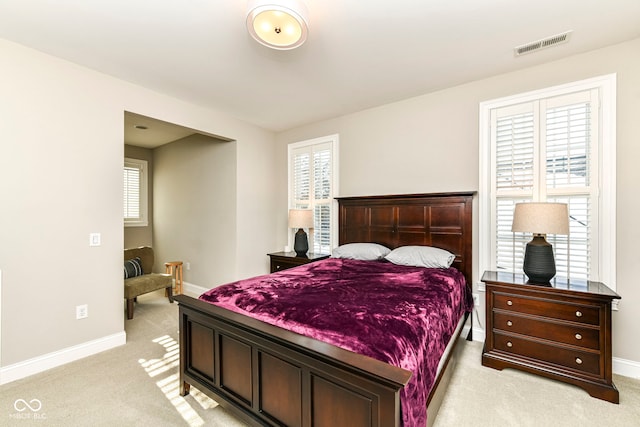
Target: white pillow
(361, 251)
(421, 256)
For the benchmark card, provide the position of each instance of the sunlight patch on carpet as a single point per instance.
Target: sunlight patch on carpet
(170, 385)
(170, 360)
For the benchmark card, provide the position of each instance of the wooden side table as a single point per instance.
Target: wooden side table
(561, 330)
(168, 269)
(284, 260)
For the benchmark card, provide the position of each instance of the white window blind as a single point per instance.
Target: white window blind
(135, 192)
(322, 199)
(558, 145)
(312, 185)
(546, 150)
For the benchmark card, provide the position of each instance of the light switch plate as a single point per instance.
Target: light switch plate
(95, 239)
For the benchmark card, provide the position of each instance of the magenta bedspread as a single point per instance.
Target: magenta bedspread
(401, 315)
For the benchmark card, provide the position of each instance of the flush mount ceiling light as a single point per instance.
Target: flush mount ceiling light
(278, 24)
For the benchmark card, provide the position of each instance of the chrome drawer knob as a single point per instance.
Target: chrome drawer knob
(509, 323)
(510, 344)
(578, 361)
(578, 336)
(578, 314)
(509, 302)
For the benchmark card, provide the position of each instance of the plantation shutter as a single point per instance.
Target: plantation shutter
(542, 151)
(132, 186)
(301, 179)
(514, 133)
(312, 189)
(571, 135)
(322, 196)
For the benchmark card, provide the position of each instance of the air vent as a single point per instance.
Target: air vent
(541, 44)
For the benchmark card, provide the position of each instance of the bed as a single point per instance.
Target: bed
(267, 375)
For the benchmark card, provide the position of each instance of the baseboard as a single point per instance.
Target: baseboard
(61, 357)
(624, 367)
(478, 334)
(193, 290)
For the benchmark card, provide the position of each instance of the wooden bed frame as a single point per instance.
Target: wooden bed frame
(266, 375)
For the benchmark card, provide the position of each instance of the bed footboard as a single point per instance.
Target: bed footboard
(269, 376)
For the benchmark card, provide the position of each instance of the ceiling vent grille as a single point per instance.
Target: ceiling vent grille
(543, 43)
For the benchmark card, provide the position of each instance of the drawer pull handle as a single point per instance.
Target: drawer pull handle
(509, 323)
(578, 361)
(578, 336)
(510, 344)
(509, 302)
(578, 314)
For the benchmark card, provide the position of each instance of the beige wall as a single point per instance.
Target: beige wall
(430, 143)
(141, 236)
(195, 208)
(56, 115)
(62, 136)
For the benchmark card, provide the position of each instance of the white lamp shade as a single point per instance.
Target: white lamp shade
(541, 218)
(278, 24)
(300, 218)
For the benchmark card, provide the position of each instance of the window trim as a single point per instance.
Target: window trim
(607, 181)
(334, 140)
(144, 192)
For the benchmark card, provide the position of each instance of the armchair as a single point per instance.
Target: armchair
(139, 276)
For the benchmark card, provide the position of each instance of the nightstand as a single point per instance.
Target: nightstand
(283, 260)
(561, 330)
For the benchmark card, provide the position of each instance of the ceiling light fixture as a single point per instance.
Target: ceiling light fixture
(278, 24)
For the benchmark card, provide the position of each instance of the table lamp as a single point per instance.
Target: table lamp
(540, 219)
(301, 218)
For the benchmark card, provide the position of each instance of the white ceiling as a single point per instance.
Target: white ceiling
(155, 134)
(359, 54)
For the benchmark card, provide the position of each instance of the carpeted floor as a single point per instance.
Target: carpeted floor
(131, 385)
(137, 385)
(483, 397)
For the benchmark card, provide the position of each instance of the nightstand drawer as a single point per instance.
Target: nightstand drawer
(573, 312)
(278, 265)
(581, 361)
(563, 333)
(284, 260)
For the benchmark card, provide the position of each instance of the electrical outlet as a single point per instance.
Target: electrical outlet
(188, 265)
(476, 300)
(82, 311)
(614, 304)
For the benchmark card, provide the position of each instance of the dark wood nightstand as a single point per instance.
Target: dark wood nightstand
(561, 330)
(283, 260)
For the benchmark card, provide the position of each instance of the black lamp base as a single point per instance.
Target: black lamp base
(539, 263)
(301, 244)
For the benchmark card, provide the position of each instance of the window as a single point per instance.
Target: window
(555, 145)
(313, 184)
(135, 193)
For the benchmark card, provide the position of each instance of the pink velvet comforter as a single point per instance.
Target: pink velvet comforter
(401, 315)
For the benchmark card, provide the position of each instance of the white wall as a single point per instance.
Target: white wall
(61, 177)
(430, 144)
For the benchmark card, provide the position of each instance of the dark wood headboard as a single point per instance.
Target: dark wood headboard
(443, 220)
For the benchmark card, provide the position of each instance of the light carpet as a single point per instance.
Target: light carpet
(137, 385)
